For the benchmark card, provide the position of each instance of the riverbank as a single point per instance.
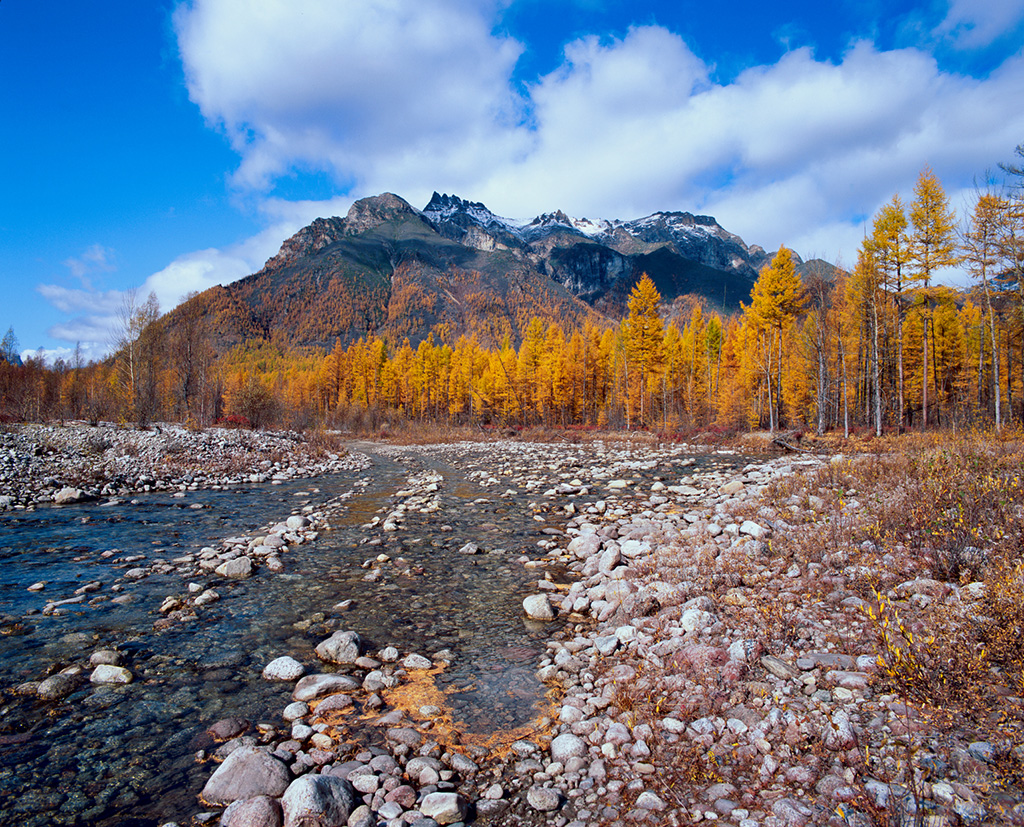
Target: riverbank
(75, 461)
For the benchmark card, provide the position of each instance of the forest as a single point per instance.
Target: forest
(883, 347)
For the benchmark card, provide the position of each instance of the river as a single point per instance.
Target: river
(126, 755)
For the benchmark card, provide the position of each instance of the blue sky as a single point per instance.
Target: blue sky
(170, 146)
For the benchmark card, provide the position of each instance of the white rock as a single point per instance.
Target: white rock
(538, 607)
(283, 669)
(107, 673)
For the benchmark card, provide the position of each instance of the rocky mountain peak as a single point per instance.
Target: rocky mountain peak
(368, 213)
(309, 240)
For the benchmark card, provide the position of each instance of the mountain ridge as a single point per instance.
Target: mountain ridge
(390, 270)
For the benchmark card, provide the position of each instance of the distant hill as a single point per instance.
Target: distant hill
(391, 270)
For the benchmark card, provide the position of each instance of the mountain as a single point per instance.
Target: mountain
(600, 261)
(455, 267)
(385, 270)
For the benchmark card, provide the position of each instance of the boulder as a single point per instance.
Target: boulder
(312, 687)
(247, 772)
(239, 568)
(56, 687)
(538, 607)
(566, 746)
(341, 647)
(318, 801)
(261, 811)
(283, 669)
(67, 496)
(444, 808)
(106, 673)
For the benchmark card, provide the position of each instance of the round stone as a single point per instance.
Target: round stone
(283, 669)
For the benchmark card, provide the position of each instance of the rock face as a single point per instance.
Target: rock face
(246, 773)
(393, 271)
(318, 801)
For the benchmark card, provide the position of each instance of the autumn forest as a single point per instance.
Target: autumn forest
(883, 347)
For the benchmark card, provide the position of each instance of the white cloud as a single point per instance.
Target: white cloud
(975, 24)
(408, 97)
(343, 86)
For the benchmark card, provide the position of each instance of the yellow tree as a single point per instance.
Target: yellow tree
(644, 340)
(982, 251)
(932, 248)
(776, 298)
(889, 245)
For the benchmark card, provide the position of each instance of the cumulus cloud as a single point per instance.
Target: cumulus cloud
(347, 86)
(975, 24)
(408, 97)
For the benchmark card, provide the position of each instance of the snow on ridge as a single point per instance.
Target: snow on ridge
(446, 207)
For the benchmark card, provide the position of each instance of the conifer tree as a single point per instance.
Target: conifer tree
(932, 248)
(777, 297)
(644, 340)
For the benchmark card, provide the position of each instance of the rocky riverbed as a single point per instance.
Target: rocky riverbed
(678, 667)
(77, 462)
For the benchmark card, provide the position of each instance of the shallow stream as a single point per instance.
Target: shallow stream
(125, 755)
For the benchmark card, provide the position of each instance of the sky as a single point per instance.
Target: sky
(170, 145)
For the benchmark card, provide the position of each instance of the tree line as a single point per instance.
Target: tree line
(882, 347)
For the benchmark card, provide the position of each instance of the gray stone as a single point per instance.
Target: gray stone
(444, 808)
(752, 529)
(295, 710)
(105, 673)
(543, 799)
(606, 644)
(538, 607)
(107, 656)
(792, 813)
(462, 765)
(261, 811)
(312, 687)
(693, 620)
(247, 772)
(779, 668)
(566, 746)
(56, 687)
(283, 669)
(362, 816)
(239, 568)
(341, 647)
(66, 496)
(318, 801)
(649, 801)
(415, 661)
